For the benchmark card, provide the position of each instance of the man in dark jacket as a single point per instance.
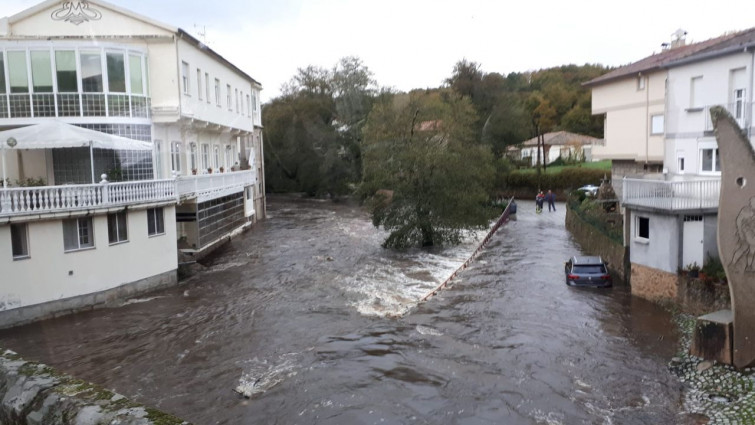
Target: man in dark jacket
(551, 198)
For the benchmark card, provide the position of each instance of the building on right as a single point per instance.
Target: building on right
(659, 134)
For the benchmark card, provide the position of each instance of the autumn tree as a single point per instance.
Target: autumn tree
(422, 149)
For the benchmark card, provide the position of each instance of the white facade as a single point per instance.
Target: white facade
(95, 65)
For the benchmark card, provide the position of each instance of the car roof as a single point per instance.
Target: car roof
(586, 259)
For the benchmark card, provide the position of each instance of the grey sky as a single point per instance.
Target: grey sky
(415, 43)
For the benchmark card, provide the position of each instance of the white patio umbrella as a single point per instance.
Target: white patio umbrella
(55, 134)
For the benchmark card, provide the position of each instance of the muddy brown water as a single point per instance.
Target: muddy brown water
(296, 313)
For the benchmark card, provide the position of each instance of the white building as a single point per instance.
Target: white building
(72, 241)
(558, 144)
(671, 217)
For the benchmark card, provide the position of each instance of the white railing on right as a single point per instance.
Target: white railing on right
(672, 195)
(211, 186)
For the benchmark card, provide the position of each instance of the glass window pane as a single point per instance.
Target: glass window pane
(19, 241)
(159, 224)
(116, 72)
(65, 70)
(122, 226)
(91, 72)
(41, 71)
(85, 233)
(19, 81)
(707, 160)
(146, 80)
(70, 235)
(135, 74)
(2, 73)
(718, 162)
(151, 221)
(112, 231)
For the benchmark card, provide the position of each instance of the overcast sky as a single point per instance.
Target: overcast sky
(415, 43)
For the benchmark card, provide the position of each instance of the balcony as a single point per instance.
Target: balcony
(211, 186)
(49, 200)
(36, 105)
(671, 196)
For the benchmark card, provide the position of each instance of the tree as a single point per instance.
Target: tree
(422, 148)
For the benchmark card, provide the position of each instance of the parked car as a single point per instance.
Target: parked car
(587, 271)
(591, 190)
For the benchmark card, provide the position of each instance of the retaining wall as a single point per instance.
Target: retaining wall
(35, 394)
(594, 242)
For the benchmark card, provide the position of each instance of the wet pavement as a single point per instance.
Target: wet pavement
(298, 315)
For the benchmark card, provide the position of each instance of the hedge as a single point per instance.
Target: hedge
(565, 181)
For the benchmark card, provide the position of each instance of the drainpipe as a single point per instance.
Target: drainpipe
(647, 119)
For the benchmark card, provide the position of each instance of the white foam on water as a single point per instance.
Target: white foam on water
(263, 374)
(393, 285)
(426, 330)
(139, 300)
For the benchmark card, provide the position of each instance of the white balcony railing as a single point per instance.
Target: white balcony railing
(35, 105)
(211, 186)
(82, 197)
(671, 195)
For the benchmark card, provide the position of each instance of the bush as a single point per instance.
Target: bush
(566, 180)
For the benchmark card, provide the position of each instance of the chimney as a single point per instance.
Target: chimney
(678, 38)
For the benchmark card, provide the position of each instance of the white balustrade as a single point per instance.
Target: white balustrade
(672, 195)
(210, 186)
(52, 199)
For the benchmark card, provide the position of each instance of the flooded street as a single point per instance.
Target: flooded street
(298, 313)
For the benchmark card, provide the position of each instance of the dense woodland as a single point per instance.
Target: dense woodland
(427, 160)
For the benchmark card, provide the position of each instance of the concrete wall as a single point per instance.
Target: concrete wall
(51, 274)
(661, 250)
(594, 242)
(35, 394)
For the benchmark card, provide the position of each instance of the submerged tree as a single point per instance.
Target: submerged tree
(429, 173)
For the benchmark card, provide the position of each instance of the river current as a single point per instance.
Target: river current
(305, 319)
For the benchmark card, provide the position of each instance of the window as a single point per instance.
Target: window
(249, 105)
(656, 124)
(78, 233)
(217, 92)
(2, 74)
(17, 72)
(641, 83)
(19, 238)
(229, 100)
(175, 156)
(193, 156)
(710, 161)
(116, 72)
(207, 86)
(117, 230)
(643, 228)
(41, 71)
(237, 100)
(739, 98)
(254, 101)
(228, 162)
(91, 72)
(155, 222)
(216, 152)
(135, 74)
(680, 164)
(185, 77)
(65, 71)
(205, 156)
(158, 159)
(695, 100)
(199, 84)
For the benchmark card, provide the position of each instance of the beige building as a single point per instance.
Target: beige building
(124, 140)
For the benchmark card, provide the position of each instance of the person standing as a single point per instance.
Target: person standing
(539, 202)
(551, 198)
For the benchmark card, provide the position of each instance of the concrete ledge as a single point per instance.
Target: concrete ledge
(35, 394)
(712, 338)
(48, 310)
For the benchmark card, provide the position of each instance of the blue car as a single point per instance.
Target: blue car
(587, 271)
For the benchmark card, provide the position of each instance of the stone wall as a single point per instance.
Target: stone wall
(594, 242)
(697, 296)
(35, 394)
(653, 284)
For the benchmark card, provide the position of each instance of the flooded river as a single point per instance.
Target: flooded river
(299, 314)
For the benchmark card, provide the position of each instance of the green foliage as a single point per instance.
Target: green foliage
(714, 268)
(31, 182)
(422, 147)
(566, 179)
(313, 132)
(593, 213)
